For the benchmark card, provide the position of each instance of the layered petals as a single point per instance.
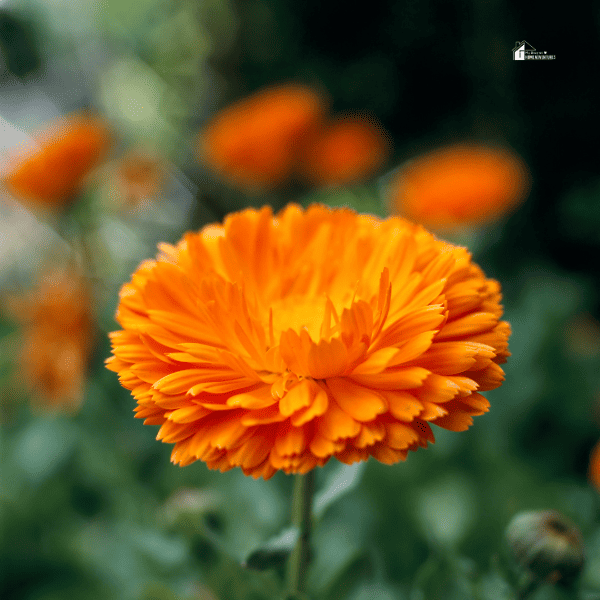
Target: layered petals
(276, 342)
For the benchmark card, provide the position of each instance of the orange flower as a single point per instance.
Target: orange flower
(460, 185)
(275, 343)
(54, 171)
(348, 149)
(254, 143)
(57, 339)
(140, 176)
(594, 470)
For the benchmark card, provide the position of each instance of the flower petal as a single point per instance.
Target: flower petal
(361, 403)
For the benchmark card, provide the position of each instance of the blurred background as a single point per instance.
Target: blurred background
(124, 124)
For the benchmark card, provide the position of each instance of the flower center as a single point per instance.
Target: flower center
(299, 312)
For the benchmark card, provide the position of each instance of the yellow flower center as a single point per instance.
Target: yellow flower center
(299, 312)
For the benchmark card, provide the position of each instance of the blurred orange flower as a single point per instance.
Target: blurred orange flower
(594, 470)
(277, 342)
(140, 176)
(347, 149)
(460, 185)
(254, 143)
(53, 172)
(57, 340)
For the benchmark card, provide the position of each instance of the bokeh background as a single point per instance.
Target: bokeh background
(91, 507)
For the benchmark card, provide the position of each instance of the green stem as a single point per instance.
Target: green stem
(301, 517)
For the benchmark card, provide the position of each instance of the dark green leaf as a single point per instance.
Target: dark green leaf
(273, 552)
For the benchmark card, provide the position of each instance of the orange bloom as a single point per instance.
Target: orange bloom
(140, 177)
(254, 143)
(460, 185)
(54, 171)
(348, 149)
(275, 343)
(57, 338)
(594, 470)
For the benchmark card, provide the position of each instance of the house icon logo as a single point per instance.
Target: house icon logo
(520, 49)
(525, 51)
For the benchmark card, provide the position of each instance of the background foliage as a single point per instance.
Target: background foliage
(91, 506)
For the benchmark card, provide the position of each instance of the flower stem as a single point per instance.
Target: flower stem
(301, 518)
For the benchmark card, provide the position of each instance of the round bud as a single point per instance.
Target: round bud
(547, 544)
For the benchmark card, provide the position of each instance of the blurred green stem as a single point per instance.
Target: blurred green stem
(301, 517)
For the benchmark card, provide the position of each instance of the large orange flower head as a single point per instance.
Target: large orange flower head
(347, 149)
(54, 171)
(460, 185)
(278, 342)
(254, 143)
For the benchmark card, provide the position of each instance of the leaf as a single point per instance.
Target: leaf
(157, 591)
(273, 552)
(43, 446)
(445, 576)
(355, 571)
(141, 103)
(338, 483)
(495, 585)
(368, 590)
(162, 550)
(446, 509)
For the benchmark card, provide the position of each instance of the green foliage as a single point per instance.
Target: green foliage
(580, 213)
(274, 552)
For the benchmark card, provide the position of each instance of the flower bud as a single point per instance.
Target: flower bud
(547, 544)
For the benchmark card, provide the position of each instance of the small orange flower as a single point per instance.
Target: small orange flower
(278, 342)
(254, 143)
(54, 171)
(594, 470)
(348, 149)
(140, 176)
(460, 185)
(57, 340)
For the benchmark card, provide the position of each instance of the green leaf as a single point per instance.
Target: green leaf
(358, 568)
(369, 590)
(274, 552)
(141, 103)
(446, 509)
(337, 544)
(338, 483)
(591, 570)
(43, 446)
(130, 18)
(495, 587)
(157, 591)
(444, 577)
(162, 550)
